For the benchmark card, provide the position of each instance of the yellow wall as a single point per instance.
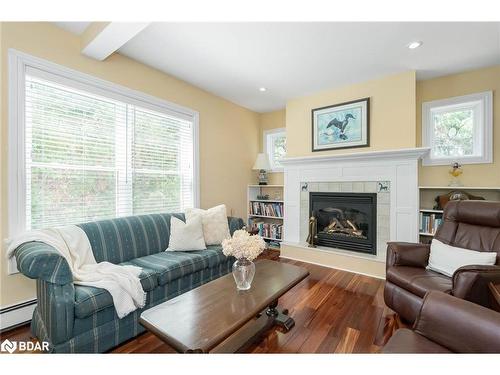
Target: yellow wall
(228, 133)
(456, 85)
(392, 114)
(268, 121)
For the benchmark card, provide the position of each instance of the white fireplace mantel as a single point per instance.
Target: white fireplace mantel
(405, 153)
(398, 167)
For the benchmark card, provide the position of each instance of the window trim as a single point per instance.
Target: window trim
(485, 137)
(266, 134)
(19, 62)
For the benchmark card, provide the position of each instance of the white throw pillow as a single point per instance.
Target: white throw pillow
(215, 227)
(186, 236)
(447, 259)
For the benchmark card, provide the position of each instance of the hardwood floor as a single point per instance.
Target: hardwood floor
(334, 311)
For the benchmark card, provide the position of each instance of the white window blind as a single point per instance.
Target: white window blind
(91, 156)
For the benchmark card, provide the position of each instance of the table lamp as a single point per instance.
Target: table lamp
(261, 165)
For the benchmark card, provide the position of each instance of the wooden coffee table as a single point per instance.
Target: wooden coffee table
(218, 318)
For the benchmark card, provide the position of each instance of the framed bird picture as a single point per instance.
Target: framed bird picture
(344, 125)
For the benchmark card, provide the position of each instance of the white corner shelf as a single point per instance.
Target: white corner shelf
(431, 211)
(266, 217)
(426, 234)
(276, 197)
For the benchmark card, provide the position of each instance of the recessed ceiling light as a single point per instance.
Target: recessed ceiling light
(262, 89)
(414, 45)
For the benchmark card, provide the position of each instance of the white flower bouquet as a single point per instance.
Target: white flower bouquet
(243, 245)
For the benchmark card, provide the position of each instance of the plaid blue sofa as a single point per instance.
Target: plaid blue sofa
(80, 319)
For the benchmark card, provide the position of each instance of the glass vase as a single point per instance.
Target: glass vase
(243, 273)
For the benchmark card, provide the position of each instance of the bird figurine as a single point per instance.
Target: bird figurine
(341, 125)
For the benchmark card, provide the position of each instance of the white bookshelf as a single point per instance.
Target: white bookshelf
(427, 194)
(276, 197)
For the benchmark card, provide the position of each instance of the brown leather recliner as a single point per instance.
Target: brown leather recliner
(472, 225)
(448, 324)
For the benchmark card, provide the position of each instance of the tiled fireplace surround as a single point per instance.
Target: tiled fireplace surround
(383, 203)
(397, 202)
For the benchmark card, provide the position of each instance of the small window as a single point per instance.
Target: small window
(458, 129)
(275, 147)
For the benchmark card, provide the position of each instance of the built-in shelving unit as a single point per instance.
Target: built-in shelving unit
(267, 215)
(430, 217)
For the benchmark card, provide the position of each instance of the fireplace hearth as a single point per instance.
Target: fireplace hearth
(345, 220)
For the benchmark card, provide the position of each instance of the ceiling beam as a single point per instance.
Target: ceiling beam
(101, 39)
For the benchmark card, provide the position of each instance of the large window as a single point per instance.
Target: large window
(458, 129)
(92, 150)
(275, 147)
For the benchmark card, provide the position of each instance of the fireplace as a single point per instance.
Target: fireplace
(345, 220)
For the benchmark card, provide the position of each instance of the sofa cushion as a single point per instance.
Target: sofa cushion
(89, 300)
(171, 265)
(157, 295)
(418, 280)
(126, 238)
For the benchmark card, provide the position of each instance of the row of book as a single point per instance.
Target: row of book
(429, 222)
(266, 209)
(269, 230)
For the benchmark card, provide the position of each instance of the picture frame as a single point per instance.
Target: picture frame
(341, 126)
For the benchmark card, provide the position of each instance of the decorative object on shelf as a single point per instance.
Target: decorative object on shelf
(262, 165)
(344, 125)
(277, 196)
(304, 187)
(455, 172)
(313, 229)
(263, 197)
(455, 195)
(245, 248)
(383, 187)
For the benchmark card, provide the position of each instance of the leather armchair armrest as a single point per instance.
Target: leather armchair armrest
(471, 282)
(407, 254)
(461, 326)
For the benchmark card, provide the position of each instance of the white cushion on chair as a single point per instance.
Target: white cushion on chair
(446, 259)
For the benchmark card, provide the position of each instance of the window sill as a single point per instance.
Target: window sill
(428, 162)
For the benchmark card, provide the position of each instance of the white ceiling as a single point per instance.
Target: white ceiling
(233, 60)
(74, 27)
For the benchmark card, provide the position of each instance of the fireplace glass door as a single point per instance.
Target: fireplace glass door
(345, 220)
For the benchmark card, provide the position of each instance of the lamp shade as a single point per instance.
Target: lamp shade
(262, 162)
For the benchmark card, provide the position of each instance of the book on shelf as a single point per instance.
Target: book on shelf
(266, 209)
(268, 230)
(429, 222)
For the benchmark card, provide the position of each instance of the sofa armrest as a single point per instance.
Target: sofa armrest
(407, 254)
(471, 282)
(54, 314)
(235, 223)
(461, 326)
(38, 260)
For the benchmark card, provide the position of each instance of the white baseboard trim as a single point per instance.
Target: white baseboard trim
(17, 314)
(335, 268)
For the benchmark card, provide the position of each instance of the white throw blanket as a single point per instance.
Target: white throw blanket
(122, 282)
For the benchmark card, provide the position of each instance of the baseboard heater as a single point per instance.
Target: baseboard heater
(16, 315)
